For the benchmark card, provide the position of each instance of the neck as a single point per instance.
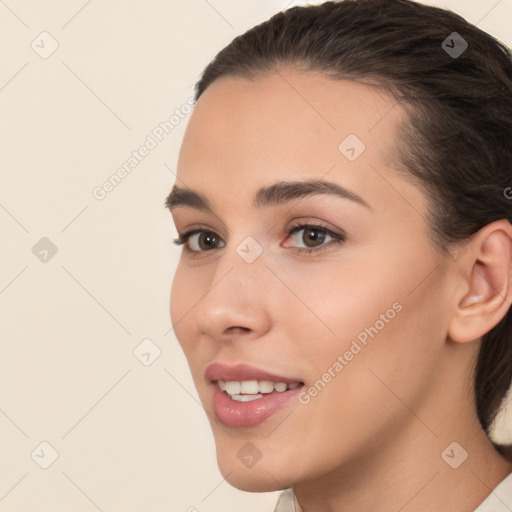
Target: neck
(411, 471)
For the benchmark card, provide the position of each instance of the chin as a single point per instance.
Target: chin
(261, 477)
(249, 480)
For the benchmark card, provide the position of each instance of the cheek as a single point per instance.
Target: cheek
(183, 297)
(385, 324)
(333, 301)
(358, 408)
(390, 345)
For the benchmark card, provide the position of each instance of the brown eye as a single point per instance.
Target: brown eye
(199, 240)
(203, 241)
(312, 238)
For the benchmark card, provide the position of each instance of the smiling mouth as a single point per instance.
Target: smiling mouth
(249, 390)
(246, 396)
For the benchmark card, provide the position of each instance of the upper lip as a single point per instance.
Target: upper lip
(242, 371)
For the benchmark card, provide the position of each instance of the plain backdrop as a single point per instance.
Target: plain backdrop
(93, 385)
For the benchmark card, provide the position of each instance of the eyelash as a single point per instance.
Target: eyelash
(337, 238)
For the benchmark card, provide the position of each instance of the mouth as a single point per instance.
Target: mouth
(248, 390)
(245, 396)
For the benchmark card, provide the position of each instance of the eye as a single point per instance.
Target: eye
(199, 240)
(313, 237)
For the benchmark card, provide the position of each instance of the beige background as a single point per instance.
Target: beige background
(129, 437)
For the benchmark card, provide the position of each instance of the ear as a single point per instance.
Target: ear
(486, 283)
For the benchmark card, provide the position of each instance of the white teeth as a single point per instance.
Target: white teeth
(265, 386)
(249, 387)
(245, 398)
(280, 386)
(246, 390)
(233, 387)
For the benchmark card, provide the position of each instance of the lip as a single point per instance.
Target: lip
(239, 372)
(232, 413)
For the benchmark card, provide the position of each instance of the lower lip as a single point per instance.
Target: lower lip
(232, 413)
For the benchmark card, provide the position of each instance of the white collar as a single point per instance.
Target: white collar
(500, 499)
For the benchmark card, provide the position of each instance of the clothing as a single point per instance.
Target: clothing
(285, 502)
(499, 500)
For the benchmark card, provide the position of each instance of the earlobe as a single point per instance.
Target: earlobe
(487, 273)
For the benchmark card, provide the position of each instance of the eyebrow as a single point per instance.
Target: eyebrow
(272, 195)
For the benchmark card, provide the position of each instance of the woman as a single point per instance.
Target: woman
(343, 199)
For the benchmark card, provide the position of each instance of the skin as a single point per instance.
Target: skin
(372, 439)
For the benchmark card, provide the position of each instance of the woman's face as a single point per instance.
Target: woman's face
(349, 311)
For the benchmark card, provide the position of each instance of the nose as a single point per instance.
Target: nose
(237, 300)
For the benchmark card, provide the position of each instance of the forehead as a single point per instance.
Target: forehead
(289, 112)
(245, 134)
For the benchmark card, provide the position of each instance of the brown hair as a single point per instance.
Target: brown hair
(457, 141)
